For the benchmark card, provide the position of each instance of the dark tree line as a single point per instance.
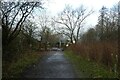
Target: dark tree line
(14, 15)
(20, 33)
(106, 28)
(105, 36)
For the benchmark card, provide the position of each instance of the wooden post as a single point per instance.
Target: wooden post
(118, 38)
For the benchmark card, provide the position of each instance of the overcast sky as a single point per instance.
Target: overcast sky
(55, 6)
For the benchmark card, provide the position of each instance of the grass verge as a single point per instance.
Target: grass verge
(17, 67)
(91, 69)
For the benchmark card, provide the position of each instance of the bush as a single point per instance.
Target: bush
(15, 68)
(100, 52)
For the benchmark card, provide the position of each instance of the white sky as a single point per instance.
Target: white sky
(55, 6)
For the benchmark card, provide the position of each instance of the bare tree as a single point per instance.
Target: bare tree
(107, 24)
(45, 30)
(73, 20)
(29, 30)
(13, 16)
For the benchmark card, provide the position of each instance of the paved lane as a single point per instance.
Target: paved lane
(52, 65)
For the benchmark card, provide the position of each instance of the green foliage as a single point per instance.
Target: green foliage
(19, 65)
(18, 46)
(91, 69)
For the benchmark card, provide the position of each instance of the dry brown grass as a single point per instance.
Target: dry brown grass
(100, 52)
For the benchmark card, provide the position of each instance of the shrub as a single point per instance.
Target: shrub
(100, 52)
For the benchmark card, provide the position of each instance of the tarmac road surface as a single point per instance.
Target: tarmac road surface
(52, 65)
